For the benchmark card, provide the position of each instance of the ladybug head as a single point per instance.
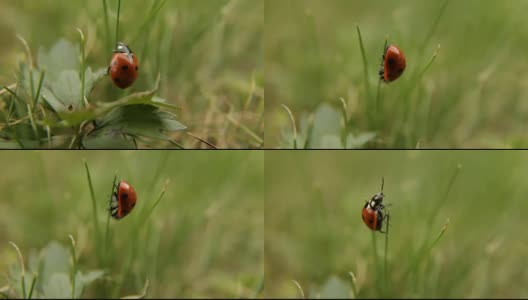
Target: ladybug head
(376, 200)
(122, 48)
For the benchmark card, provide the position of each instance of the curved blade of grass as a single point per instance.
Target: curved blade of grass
(107, 235)
(22, 268)
(309, 131)
(354, 284)
(94, 208)
(433, 28)
(107, 26)
(386, 266)
(429, 63)
(426, 250)
(292, 119)
(117, 21)
(244, 128)
(147, 215)
(442, 201)
(149, 19)
(74, 264)
(375, 254)
(299, 288)
(378, 100)
(32, 287)
(33, 124)
(344, 133)
(440, 234)
(37, 95)
(259, 288)
(82, 102)
(142, 295)
(203, 141)
(365, 64)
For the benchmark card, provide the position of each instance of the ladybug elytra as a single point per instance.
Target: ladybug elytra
(393, 64)
(123, 200)
(123, 67)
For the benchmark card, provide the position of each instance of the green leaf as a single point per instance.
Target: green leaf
(52, 100)
(335, 288)
(73, 118)
(107, 140)
(58, 286)
(326, 126)
(141, 120)
(62, 56)
(55, 259)
(360, 140)
(84, 280)
(67, 88)
(90, 78)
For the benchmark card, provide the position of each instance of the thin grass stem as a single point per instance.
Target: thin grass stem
(292, 119)
(22, 269)
(117, 21)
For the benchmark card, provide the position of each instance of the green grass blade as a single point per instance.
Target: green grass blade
(37, 96)
(83, 66)
(299, 288)
(354, 284)
(344, 132)
(74, 264)
(22, 269)
(365, 64)
(94, 208)
(117, 21)
(107, 231)
(32, 287)
(434, 26)
(107, 26)
(294, 127)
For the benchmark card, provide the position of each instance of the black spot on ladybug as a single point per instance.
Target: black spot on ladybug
(116, 79)
(124, 196)
(371, 221)
(390, 61)
(136, 68)
(124, 68)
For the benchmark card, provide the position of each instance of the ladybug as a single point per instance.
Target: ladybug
(372, 212)
(123, 200)
(392, 64)
(123, 67)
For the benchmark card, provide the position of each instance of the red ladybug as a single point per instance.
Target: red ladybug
(372, 212)
(123, 200)
(123, 67)
(393, 64)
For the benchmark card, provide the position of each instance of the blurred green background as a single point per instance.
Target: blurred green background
(473, 94)
(204, 239)
(208, 53)
(314, 233)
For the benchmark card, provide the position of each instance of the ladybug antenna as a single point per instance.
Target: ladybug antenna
(382, 183)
